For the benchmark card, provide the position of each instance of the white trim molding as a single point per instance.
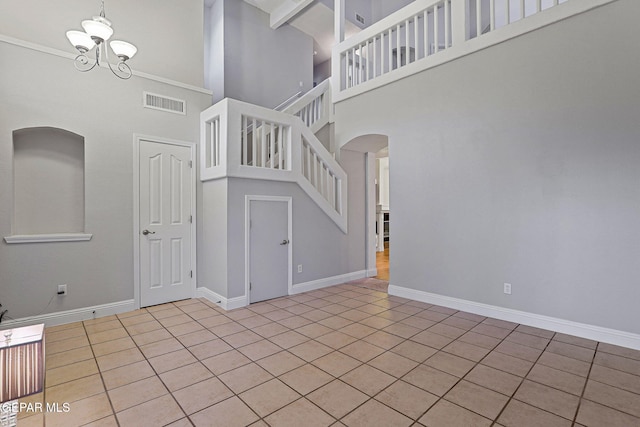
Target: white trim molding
(372, 272)
(327, 281)
(48, 238)
(62, 54)
(225, 303)
(76, 315)
(582, 330)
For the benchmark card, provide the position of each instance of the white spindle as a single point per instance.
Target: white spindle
(446, 23)
(406, 42)
(217, 143)
(263, 144)
(272, 145)
(280, 148)
(254, 144)
(321, 179)
(508, 12)
(436, 36)
(479, 18)
(356, 67)
(398, 63)
(426, 32)
(492, 14)
(211, 146)
(308, 151)
(339, 196)
(375, 56)
(245, 142)
(314, 181)
(328, 185)
(538, 5)
(362, 64)
(390, 50)
(415, 36)
(368, 65)
(521, 9)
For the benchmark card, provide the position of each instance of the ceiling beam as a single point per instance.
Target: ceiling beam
(287, 10)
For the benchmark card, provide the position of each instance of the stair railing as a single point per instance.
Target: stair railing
(314, 107)
(247, 141)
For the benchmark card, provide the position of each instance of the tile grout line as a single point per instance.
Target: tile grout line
(584, 387)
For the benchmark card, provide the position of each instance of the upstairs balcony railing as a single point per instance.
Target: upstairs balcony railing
(427, 33)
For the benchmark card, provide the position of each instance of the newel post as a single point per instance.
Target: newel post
(459, 21)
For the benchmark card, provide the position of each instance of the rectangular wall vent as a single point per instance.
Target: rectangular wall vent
(164, 103)
(360, 18)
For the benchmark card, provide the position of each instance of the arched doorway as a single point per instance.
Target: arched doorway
(374, 148)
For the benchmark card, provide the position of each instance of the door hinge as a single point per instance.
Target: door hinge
(190, 163)
(191, 274)
(190, 219)
(249, 285)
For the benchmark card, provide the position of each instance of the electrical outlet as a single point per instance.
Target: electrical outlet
(299, 268)
(62, 290)
(507, 288)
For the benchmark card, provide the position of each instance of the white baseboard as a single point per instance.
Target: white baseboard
(225, 303)
(76, 315)
(582, 330)
(372, 272)
(328, 281)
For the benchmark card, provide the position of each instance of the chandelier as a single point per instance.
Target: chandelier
(96, 33)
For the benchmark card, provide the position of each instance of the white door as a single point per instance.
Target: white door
(165, 223)
(269, 249)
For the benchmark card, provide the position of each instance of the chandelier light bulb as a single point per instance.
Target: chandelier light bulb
(98, 28)
(123, 50)
(80, 40)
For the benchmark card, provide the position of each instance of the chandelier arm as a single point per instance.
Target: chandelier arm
(121, 71)
(82, 63)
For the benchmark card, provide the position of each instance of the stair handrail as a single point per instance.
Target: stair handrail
(314, 107)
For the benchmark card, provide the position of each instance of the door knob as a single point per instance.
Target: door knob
(285, 242)
(145, 232)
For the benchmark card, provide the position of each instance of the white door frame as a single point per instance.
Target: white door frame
(247, 239)
(137, 138)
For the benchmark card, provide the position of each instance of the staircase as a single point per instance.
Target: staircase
(247, 141)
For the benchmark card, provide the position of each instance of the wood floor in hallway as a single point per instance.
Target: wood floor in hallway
(382, 263)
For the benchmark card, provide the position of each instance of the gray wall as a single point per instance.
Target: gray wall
(39, 89)
(214, 49)
(322, 71)
(263, 66)
(518, 164)
(383, 8)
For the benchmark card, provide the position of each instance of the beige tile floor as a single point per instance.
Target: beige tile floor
(344, 355)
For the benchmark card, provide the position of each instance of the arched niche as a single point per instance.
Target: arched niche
(48, 185)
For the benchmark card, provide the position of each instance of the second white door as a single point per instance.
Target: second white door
(269, 248)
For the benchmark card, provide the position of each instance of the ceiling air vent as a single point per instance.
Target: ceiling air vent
(164, 103)
(360, 18)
